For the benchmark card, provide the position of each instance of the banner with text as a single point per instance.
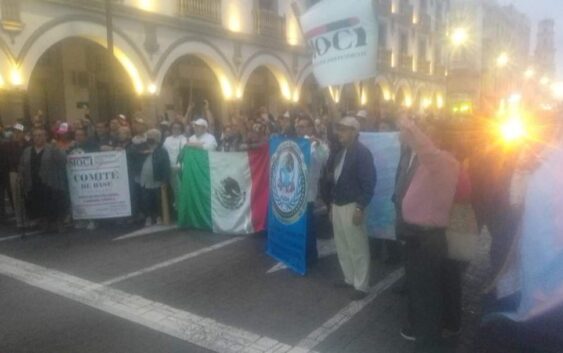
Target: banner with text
(287, 221)
(99, 185)
(380, 214)
(343, 36)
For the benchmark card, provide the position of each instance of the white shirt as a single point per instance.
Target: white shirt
(319, 157)
(173, 145)
(207, 141)
(339, 166)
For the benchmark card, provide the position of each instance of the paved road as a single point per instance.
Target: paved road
(178, 291)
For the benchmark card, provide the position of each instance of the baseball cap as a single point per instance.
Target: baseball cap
(350, 122)
(201, 122)
(362, 114)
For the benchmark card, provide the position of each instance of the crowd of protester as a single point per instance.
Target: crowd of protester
(451, 180)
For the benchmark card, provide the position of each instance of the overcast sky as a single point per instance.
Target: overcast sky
(539, 9)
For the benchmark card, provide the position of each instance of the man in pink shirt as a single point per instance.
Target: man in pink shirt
(424, 198)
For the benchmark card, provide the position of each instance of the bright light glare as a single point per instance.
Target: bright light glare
(503, 59)
(16, 77)
(557, 89)
(459, 36)
(513, 129)
(530, 73)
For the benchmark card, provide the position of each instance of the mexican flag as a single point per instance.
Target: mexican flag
(224, 192)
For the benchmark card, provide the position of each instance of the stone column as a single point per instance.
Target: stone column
(14, 106)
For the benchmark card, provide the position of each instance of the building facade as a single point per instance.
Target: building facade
(544, 56)
(488, 64)
(171, 54)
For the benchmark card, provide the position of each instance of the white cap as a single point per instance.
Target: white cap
(350, 122)
(201, 122)
(287, 114)
(19, 127)
(362, 114)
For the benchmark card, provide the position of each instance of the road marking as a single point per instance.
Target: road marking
(19, 236)
(11, 237)
(172, 261)
(198, 330)
(346, 314)
(146, 231)
(325, 247)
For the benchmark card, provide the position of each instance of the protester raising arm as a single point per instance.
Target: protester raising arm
(427, 152)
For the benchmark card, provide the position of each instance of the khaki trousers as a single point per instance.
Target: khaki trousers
(352, 247)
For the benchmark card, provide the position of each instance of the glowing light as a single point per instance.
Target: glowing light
(226, 87)
(530, 73)
(515, 99)
(285, 90)
(503, 59)
(387, 95)
(296, 96)
(239, 92)
(557, 89)
(292, 31)
(393, 60)
(131, 70)
(393, 7)
(426, 103)
(364, 97)
(16, 77)
(147, 5)
(1, 81)
(152, 89)
(233, 19)
(440, 101)
(407, 102)
(459, 36)
(414, 19)
(513, 129)
(334, 94)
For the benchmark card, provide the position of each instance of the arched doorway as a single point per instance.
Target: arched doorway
(312, 97)
(263, 90)
(74, 76)
(350, 100)
(190, 82)
(400, 97)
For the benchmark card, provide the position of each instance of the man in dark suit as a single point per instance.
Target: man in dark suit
(352, 178)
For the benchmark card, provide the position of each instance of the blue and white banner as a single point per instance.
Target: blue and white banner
(343, 36)
(287, 219)
(540, 265)
(380, 214)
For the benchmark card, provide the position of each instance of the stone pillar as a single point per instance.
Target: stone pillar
(147, 105)
(14, 106)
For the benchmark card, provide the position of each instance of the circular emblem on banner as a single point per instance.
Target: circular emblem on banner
(288, 183)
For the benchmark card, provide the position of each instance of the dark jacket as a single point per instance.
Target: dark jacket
(357, 180)
(161, 165)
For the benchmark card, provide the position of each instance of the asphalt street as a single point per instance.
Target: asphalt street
(168, 290)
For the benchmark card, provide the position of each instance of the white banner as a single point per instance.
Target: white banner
(99, 185)
(343, 37)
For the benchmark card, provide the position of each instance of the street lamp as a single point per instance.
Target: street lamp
(529, 73)
(502, 59)
(459, 37)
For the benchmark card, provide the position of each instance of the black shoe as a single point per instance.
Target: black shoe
(407, 334)
(358, 295)
(341, 285)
